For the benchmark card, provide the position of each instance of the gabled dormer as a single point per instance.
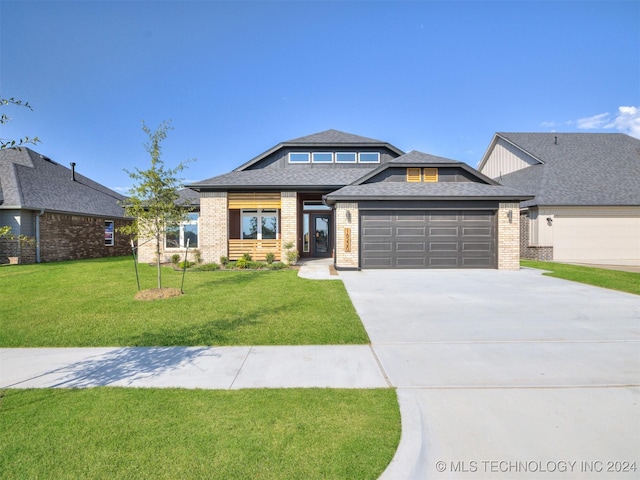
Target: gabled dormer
(418, 167)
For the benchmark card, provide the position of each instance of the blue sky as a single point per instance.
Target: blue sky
(236, 78)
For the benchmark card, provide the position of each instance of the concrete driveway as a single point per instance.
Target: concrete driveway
(506, 374)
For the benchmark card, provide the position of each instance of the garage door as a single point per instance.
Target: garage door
(428, 239)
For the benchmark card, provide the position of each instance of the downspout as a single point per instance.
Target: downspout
(38, 215)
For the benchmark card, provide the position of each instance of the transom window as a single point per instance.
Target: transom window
(369, 157)
(260, 224)
(299, 157)
(334, 157)
(178, 235)
(346, 157)
(322, 157)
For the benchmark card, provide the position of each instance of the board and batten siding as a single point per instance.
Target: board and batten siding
(506, 158)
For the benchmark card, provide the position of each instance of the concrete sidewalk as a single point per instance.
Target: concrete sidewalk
(228, 368)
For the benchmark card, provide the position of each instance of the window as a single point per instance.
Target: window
(177, 236)
(298, 157)
(369, 157)
(322, 157)
(431, 175)
(413, 175)
(346, 157)
(259, 224)
(108, 233)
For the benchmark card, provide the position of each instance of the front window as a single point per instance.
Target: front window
(108, 233)
(178, 235)
(259, 224)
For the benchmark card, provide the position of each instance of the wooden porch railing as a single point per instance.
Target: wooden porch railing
(258, 249)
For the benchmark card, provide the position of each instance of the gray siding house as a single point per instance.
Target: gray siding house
(586, 207)
(69, 216)
(361, 201)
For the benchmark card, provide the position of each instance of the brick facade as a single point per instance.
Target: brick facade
(21, 250)
(347, 235)
(544, 254)
(213, 226)
(509, 236)
(288, 221)
(74, 237)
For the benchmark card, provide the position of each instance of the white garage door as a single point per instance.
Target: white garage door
(603, 240)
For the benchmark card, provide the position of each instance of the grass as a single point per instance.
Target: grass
(91, 303)
(614, 279)
(112, 433)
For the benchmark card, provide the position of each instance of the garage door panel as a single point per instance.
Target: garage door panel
(427, 239)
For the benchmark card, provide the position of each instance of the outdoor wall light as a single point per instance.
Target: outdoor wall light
(510, 216)
(549, 221)
(349, 216)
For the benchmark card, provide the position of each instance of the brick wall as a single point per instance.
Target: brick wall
(347, 235)
(73, 237)
(544, 254)
(289, 221)
(509, 236)
(24, 251)
(213, 227)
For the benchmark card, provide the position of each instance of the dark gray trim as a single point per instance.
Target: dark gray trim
(440, 204)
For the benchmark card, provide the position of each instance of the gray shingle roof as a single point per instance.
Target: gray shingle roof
(328, 138)
(581, 169)
(414, 156)
(31, 181)
(424, 191)
(304, 176)
(333, 137)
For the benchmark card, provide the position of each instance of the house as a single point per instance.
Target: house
(586, 207)
(363, 202)
(68, 215)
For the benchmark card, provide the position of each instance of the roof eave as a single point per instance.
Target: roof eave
(332, 199)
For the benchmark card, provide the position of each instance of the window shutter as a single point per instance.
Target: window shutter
(413, 174)
(431, 175)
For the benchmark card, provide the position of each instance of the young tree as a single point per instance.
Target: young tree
(4, 118)
(153, 200)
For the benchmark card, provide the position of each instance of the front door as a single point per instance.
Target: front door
(320, 235)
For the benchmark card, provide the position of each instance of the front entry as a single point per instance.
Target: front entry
(320, 234)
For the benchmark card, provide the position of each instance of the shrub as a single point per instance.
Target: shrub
(276, 266)
(197, 256)
(224, 261)
(207, 267)
(270, 257)
(242, 263)
(182, 265)
(247, 257)
(175, 258)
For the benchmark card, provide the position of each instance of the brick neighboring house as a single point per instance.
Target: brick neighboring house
(68, 215)
(363, 202)
(586, 207)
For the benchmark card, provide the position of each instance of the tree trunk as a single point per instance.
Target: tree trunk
(158, 262)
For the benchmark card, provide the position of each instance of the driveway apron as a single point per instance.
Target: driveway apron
(504, 374)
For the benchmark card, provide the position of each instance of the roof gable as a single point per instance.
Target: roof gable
(33, 181)
(326, 139)
(578, 168)
(419, 159)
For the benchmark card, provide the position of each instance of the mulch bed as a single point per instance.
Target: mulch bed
(158, 293)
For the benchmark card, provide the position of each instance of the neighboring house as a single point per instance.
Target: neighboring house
(587, 194)
(363, 202)
(66, 214)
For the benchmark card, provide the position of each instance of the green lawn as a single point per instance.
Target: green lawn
(117, 433)
(91, 303)
(614, 279)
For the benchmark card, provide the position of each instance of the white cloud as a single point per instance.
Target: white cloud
(597, 121)
(627, 120)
